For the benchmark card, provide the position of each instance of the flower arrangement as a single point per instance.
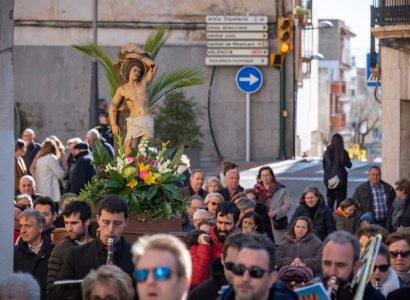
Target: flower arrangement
(146, 181)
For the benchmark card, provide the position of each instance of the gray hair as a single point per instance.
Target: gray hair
(231, 170)
(20, 285)
(197, 171)
(24, 196)
(199, 213)
(33, 182)
(343, 237)
(210, 195)
(92, 133)
(37, 216)
(245, 203)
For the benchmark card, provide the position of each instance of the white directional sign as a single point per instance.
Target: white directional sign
(237, 40)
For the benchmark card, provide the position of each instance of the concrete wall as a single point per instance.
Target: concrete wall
(53, 80)
(329, 41)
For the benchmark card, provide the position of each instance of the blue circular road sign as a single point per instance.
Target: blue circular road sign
(249, 79)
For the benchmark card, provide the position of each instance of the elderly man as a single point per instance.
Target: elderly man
(28, 186)
(341, 259)
(47, 207)
(25, 200)
(162, 267)
(195, 202)
(254, 275)
(11, 287)
(375, 196)
(196, 181)
(227, 215)
(76, 216)
(200, 215)
(32, 148)
(232, 185)
(93, 133)
(83, 170)
(34, 248)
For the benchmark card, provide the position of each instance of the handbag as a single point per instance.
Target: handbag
(281, 223)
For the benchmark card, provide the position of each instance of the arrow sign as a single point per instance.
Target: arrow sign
(249, 79)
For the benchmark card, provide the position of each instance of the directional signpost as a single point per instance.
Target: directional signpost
(237, 40)
(249, 80)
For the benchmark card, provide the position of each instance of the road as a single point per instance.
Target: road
(297, 175)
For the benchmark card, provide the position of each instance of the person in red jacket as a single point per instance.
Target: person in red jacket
(210, 249)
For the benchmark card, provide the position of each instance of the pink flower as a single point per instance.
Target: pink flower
(143, 173)
(130, 158)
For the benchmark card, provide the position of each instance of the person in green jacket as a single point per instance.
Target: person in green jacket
(346, 216)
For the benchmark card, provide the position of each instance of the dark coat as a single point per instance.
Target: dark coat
(363, 194)
(323, 222)
(329, 157)
(210, 288)
(57, 259)
(83, 171)
(27, 261)
(404, 219)
(278, 291)
(225, 193)
(30, 155)
(309, 250)
(188, 192)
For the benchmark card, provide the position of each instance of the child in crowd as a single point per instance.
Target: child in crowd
(346, 217)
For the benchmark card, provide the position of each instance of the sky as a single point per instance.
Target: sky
(356, 15)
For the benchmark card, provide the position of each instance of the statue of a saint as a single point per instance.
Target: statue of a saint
(138, 70)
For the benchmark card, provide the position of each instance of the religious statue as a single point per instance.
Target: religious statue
(135, 70)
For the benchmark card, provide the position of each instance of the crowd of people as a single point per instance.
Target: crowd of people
(239, 242)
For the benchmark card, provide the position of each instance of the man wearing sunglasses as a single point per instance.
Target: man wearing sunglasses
(399, 248)
(227, 214)
(254, 275)
(163, 267)
(341, 259)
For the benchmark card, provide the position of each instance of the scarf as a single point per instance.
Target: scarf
(265, 195)
(341, 213)
(398, 206)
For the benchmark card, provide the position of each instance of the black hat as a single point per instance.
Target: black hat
(102, 113)
(82, 146)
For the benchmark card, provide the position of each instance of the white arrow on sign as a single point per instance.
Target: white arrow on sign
(251, 79)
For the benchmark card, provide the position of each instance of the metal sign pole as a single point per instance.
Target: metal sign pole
(248, 127)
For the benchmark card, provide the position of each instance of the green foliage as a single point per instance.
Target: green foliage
(24, 122)
(176, 121)
(157, 39)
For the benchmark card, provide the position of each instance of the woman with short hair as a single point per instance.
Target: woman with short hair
(399, 213)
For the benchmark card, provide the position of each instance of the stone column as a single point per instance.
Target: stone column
(6, 136)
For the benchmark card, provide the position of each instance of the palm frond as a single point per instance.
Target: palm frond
(104, 59)
(157, 39)
(174, 79)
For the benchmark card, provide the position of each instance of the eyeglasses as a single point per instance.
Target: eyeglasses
(382, 268)
(254, 272)
(214, 203)
(160, 274)
(229, 265)
(105, 298)
(404, 253)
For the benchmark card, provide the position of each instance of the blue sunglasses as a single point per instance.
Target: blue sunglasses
(160, 274)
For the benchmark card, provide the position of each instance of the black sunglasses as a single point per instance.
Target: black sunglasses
(254, 272)
(382, 268)
(160, 274)
(229, 265)
(404, 253)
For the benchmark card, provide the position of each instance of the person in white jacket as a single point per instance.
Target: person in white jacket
(49, 171)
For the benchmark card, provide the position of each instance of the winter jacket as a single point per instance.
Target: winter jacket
(30, 155)
(225, 192)
(404, 219)
(48, 175)
(329, 157)
(344, 222)
(323, 222)
(363, 194)
(27, 261)
(202, 255)
(210, 288)
(309, 250)
(83, 171)
(278, 291)
(187, 192)
(57, 259)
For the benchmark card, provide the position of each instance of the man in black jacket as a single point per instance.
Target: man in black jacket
(113, 218)
(32, 148)
(232, 185)
(33, 251)
(76, 216)
(83, 170)
(375, 196)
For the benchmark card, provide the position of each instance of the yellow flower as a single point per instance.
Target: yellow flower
(143, 167)
(149, 178)
(132, 183)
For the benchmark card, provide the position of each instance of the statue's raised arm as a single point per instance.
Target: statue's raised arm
(136, 71)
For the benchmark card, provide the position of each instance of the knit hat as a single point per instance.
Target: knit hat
(366, 217)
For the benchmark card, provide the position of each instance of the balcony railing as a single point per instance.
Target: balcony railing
(390, 12)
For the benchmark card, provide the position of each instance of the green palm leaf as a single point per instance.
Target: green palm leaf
(104, 59)
(174, 79)
(157, 39)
